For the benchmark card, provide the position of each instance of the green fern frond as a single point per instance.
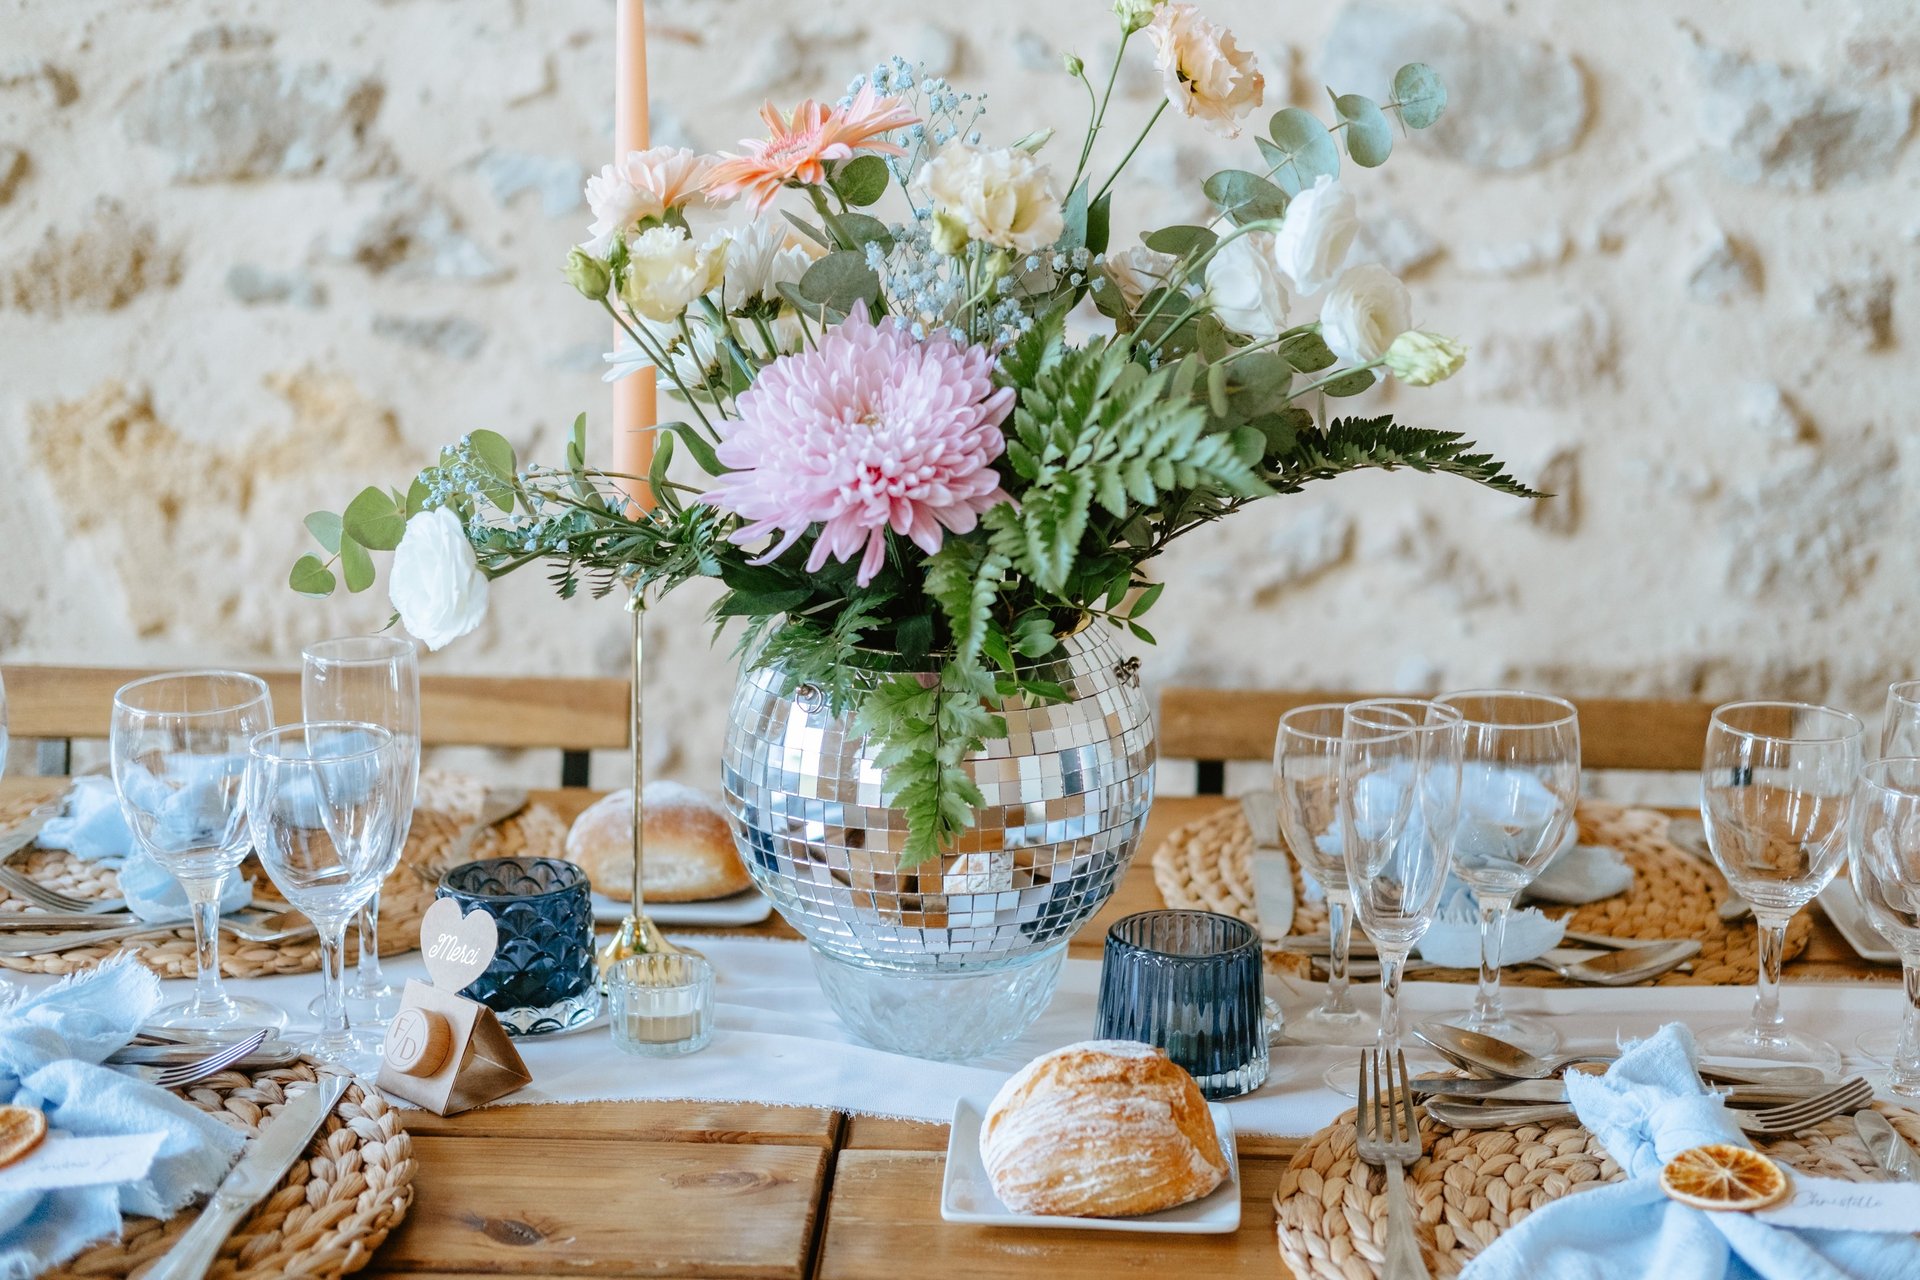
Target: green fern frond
(1352, 444)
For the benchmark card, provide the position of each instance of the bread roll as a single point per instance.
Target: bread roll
(1104, 1129)
(690, 850)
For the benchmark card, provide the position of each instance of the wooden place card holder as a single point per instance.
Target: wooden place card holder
(444, 1052)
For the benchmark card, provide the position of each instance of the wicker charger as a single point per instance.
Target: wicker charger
(1473, 1184)
(1206, 864)
(447, 805)
(332, 1210)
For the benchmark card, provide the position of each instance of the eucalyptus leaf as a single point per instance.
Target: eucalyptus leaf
(1179, 241)
(1073, 217)
(1307, 352)
(698, 446)
(577, 444)
(311, 578)
(1420, 94)
(1351, 384)
(1249, 444)
(1245, 197)
(840, 280)
(417, 494)
(657, 473)
(862, 180)
(1283, 428)
(1302, 150)
(493, 451)
(1217, 390)
(1100, 223)
(325, 528)
(356, 566)
(374, 521)
(808, 230)
(1369, 137)
(863, 230)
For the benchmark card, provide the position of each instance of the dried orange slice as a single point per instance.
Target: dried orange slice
(21, 1129)
(1723, 1176)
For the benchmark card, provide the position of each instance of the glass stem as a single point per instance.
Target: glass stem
(1773, 952)
(1391, 964)
(204, 895)
(1340, 941)
(1493, 937)
(333, 1040)
(1906, 1056)
(368, 980)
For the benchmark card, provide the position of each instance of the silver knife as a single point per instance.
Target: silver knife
(1888, 1149)
(258, 1172)
(1272, 869)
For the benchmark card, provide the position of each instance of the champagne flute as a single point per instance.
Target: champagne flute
(1776, 784)
(373, 680)
(1520, 781)
(179, 751)
(1885, 869)
(1399, 805)
(320, 800)
(1306, 776)
(1900, 732)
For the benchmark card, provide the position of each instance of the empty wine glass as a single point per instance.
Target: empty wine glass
(1399, 805)
(1885, 869)
(1900, 732)
(320, 801)
(1776, 784)
(179, 750)
(1519, 783)
(1306, 777)
(375, 680)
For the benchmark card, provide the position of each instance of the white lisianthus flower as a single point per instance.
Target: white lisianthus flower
(1420, 359)
(436, 583)
(761, 256)
(1207, 75)
(666, 271)
(645, 184)
(1246, 288)
(1368, 309)
(1000, 198)
(1137, 270)
(1316, 235)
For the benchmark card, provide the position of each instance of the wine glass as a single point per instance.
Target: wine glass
(3, 729)
(1306, 778)
(1885, 869)
(1520, 781)
(374, 680)
(1776, 784)
(179, 751)
(1900, 732)
(1399, 805)
(320, 799)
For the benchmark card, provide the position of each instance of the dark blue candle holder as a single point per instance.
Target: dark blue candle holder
(543, 977)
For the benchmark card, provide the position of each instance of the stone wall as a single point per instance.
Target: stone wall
(253, 255)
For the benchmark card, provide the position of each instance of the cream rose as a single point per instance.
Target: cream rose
(436, 583)
(1366, 311)
(1246, 289)
(1206, 74)
(999, 197)
(666, 271)
(1316, 235)
(1137, 271)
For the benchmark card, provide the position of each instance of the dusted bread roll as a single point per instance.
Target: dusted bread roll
(1103, 1129)
(690, 851)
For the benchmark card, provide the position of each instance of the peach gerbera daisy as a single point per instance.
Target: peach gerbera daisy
(797, 147)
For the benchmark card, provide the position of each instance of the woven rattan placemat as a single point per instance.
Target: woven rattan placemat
(332, 1210)
(447, 805)
(1205, 864)
(1473, 1184)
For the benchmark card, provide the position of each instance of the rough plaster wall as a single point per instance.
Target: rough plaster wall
(253, 255)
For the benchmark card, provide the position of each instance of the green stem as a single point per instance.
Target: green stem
(1183, 272)
(1100, 116)
(664, 365)
(1115, 175)
(1335, 376)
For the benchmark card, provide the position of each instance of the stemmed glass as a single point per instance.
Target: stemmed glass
(179, 751)
(1306, 777)
(1886, 875)
(1900, 732)
(1520, 781)
(320, 800)
(1399, 805)
(1776, 784)
(373, 680)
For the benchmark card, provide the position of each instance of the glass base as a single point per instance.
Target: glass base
(1318, 1026)
(1531, 1034)
(945, 1015)
(1880, 1045)
(363, 1010)
(228, 1013)
(1343, 1077)
(350, 1055)
(1748, 1045)
(574, 1011)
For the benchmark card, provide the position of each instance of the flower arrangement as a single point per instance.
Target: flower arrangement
(907, 461)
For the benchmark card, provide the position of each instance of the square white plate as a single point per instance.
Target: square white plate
(1842, 906)
(966, 1194)
(749, 906)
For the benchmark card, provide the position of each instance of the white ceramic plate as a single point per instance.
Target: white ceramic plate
(747, 907)
(966, 1195)
(1842, 906)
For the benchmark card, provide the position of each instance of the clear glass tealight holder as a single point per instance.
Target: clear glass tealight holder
(662, 1004)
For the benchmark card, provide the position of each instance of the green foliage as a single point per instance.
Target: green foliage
(311, 578)
(1419, 95)
(923, 734)
(862, 180)
(839, 281)
(356, 566)
(1301, 150)
(325, 528)
(1245, 197)
(376, 519)
(1180, 241)
(1369, 139)
(1352, 444)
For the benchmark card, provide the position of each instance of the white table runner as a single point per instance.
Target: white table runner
(777, 1042)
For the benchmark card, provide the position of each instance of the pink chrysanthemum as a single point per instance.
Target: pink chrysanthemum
(872, 430)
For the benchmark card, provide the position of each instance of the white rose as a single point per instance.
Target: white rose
(1246, 289)
(1366, 311)
(666, 271)
(760, 256)
(617, 204)
(435, 583)
(1205, 73)
(1317, 234)
(998, 197)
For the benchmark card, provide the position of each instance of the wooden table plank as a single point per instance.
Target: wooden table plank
(883, 1222)
(581, 1206)
(710, 1122)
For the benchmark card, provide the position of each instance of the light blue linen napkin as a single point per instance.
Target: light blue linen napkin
(1647, 1108)
(50, 1046)
(91, 826)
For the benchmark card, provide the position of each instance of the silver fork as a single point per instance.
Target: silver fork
(21, 885)
(1387, 1135)
(250, 929)
(186, 1073)
(1788, 1117)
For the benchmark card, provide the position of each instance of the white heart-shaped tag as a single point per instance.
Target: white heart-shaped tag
(457, 948)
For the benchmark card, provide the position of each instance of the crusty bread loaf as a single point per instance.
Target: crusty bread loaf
(1103, 1129)
(690, 850)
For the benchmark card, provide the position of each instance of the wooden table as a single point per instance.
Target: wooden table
(681, 1189)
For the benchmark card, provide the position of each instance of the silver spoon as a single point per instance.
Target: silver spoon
(1489, 1055)
(1625, 967)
